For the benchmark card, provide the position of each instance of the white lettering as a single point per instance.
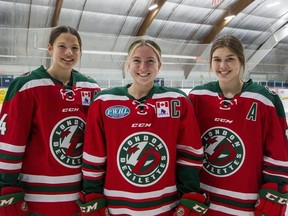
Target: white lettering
(90, 208)
(141, 125)
(70, 109)
(223, 120)
(276, 199)
(6, 202)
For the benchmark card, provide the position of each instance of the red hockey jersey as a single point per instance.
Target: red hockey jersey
(41, 136)
(142, 153)
(244, 145)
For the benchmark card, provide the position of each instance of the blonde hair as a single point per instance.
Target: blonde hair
(139, 43)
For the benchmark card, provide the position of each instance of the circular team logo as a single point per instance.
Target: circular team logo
(143, 158)
(224, 151)
(66, 141)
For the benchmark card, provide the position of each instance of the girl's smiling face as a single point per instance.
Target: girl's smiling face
(65, 51)
(144, 65)
(226, 65)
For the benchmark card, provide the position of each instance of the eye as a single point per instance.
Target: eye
(62, 46)
(75, 48)
(230, 59)
(137, 61)
(216, 60)
(150, 61)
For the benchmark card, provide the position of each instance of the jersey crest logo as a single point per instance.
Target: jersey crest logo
(117, 112)
(224, 151)
(143, 159)
(163, 109)
(66, 141)
(86, 98)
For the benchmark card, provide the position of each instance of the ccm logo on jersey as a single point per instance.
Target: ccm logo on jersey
(141, 125)
(70, 109)
(223, 120)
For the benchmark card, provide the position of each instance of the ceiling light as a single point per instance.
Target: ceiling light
(229, 17)
(103, 52)
(8, 56)
(153, 7)
(272, 4)
(97, 52)
(179, 57)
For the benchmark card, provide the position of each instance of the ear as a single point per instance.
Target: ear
(159, 67)
(50, 49)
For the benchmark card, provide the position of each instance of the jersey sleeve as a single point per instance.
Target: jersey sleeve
(94, 155)
(15, 123)
(275, 167)
(189, 151)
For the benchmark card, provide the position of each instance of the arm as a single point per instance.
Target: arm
(13, 120)
(92, 204)
(12, 202)
(92, 200)
(189, 164)
(272, 200)
(273, 193)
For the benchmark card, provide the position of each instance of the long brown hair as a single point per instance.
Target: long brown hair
(232, 43)
(64, 29)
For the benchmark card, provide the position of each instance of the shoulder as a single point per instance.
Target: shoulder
(207, 88)
(264, 95)
(84, 81)
(209, 85)
(82, 77)
(112, 93)
(169, 92)
(26, 81)
(23, 79)
(260, 92)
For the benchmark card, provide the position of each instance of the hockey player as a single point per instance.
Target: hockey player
(243, 128)
(42, 128)
(142, 146)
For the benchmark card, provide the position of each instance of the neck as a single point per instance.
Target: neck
(139, 91)
(62, 76)
(232, 90)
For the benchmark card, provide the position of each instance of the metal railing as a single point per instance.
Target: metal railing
(182, 84)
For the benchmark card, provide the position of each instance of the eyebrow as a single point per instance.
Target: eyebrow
(64, 42)
(230, 55)
(150, 57)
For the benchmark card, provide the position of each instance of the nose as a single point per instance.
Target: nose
(68, 51)
(143, 65)
(223, 64)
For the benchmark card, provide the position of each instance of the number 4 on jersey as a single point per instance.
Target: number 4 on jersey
(3, 124)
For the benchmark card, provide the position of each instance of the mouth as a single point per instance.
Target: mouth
(224, 72)
(143, 74)
(67, 60)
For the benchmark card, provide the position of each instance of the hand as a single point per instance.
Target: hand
(271, 202)
(12, 202)
(192, 204)
(93, 204)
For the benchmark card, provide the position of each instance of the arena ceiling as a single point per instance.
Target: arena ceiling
(183, 28)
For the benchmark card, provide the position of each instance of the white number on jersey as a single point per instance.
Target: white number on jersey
(3, 124)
